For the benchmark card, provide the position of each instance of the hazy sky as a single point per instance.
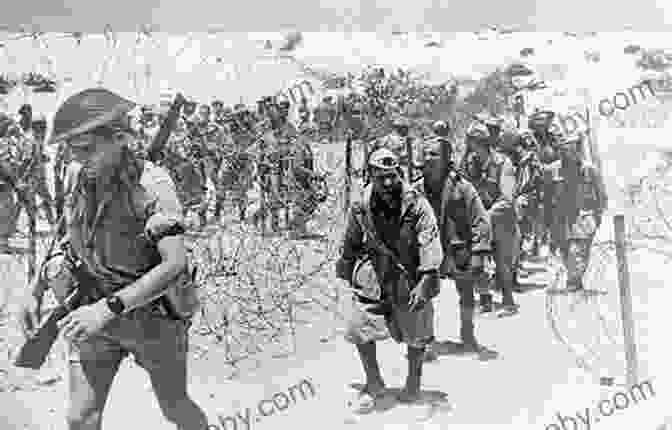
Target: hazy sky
(232, 65)
(338, 15)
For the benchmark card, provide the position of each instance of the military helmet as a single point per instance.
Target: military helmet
(478, 131)
(88, 110)
(441, 128)
(385, 159)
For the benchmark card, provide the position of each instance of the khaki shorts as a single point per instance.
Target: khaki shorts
(415, 329)
(153, 339)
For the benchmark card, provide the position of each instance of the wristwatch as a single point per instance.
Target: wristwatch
(115, 304)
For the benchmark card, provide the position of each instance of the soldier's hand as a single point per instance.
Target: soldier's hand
(427, 288)
(30, 312)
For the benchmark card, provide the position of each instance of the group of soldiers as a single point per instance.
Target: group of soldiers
(430, 213)
(234, 148)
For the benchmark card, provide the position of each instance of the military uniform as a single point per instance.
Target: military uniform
(580, 203)
(495, 180)
(415, 238)
(324, 116)
(303, 170)
(116, 241)
(465, 231)
(237, 171)
(8, 206)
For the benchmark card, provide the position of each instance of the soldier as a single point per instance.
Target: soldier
(237, 170)
(218, 112)
(529, 184)
(396, 140)
(325, 117)
(8, 204)
(493, 175)
(436, 164)
(124, 230)
(394, 226)
(304, 112)
(581, 203)
(465, 231)
(303, 173)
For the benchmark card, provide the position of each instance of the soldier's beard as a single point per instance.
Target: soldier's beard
(107, 177)
(390, 199)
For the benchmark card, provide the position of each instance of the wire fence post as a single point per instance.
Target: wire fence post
(626, 301)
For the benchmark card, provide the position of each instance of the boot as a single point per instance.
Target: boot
(510, 307)
(485, 303)
(467, 336)
(411, 392)
(218, 210)
(374, 380)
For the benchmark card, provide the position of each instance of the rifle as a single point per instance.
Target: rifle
(34, 351)
(161, 138)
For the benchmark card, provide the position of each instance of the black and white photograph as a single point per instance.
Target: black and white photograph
(335, 215)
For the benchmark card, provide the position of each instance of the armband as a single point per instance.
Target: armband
(176, 229)
(429, 272)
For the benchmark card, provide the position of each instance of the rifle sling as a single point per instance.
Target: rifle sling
(366, 222)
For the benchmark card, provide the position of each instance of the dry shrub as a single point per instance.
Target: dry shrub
(257, 291)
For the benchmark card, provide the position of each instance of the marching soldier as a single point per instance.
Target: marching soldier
(436, 164)
(8, 204)
(304, 112)
(465, 231)
(303, 173)
(581, 203)
(493, 175)
(392, 232)
(325, 117)
(125, 231)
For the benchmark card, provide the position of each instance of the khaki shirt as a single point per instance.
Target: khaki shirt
(121, 239)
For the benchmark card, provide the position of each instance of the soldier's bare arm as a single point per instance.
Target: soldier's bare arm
(166, 224)
(154, 283)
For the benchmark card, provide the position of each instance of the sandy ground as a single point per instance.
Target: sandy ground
(535, 377)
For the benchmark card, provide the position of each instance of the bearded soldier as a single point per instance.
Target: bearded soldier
(393, 228)
(493, 175)
(125, 232)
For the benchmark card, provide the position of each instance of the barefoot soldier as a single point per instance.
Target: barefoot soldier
(395, 228)
(124, 230)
